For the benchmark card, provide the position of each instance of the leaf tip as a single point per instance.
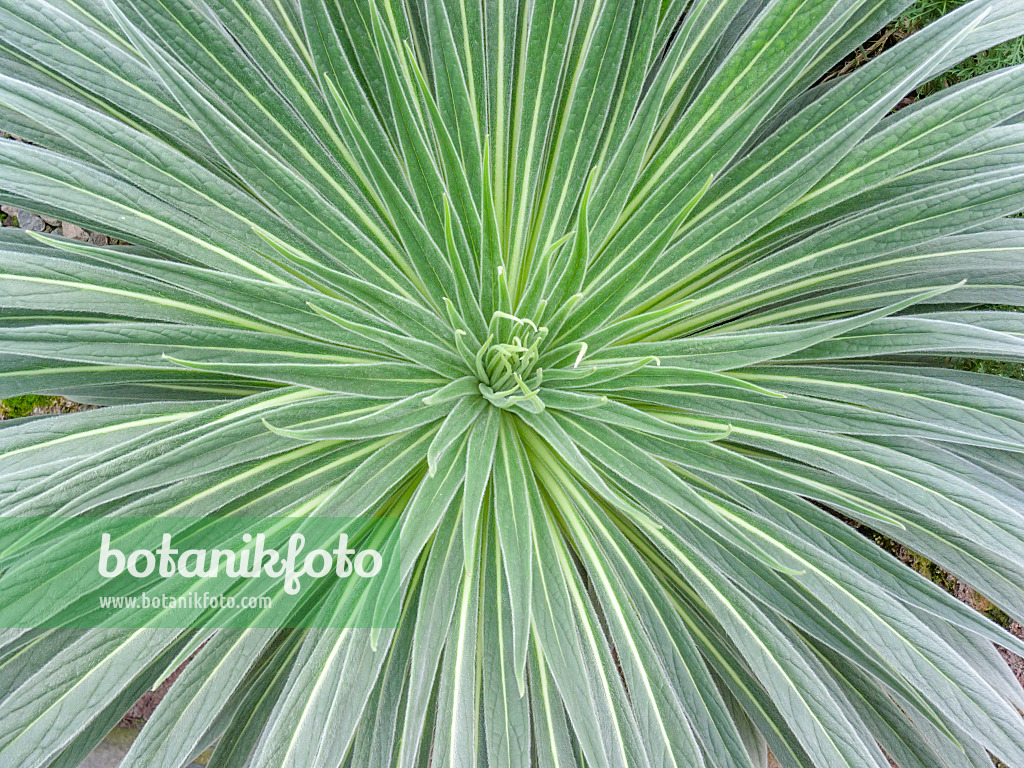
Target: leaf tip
(579, 357)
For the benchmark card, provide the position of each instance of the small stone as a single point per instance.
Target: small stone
(97, 239)
(10, 210)
(74, 232)
(50, 222)
(30, 221)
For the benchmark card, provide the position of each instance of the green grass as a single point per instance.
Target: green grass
(16, 407)
(996, 367)
(924, 12)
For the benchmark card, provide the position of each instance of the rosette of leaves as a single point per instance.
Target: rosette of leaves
(621, 309)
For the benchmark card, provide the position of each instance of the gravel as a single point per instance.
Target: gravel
(12, 216)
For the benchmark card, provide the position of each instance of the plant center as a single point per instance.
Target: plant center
(506, 362)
